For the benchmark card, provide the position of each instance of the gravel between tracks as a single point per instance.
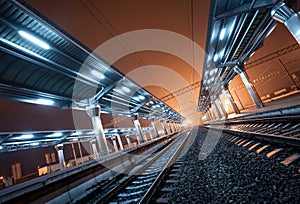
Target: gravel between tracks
(232, 174)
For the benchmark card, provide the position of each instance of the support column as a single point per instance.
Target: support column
(284, 14)
(138, 128)
(128, 140)
(215, 108)
(61, 158)
(212, 113)
(208, 115)
(175, 126)
(150, 135)
(222, 107)
(168, 123)
(94, 148)
(163, 126)
(154, 128)
(80, 151)
(231, 101)
(94, 112)
(120, 142)
(74, 153)
(115, 143)
(251, 89)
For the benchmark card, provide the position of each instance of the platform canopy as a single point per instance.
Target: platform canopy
(237, 28)
(40, 63)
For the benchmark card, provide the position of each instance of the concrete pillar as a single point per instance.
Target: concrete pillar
(212, 113)
(169, 127)
(120, 141)
(222, 107)
(284, 14)
(138, 128)
(231, 101)
(208, 116)
(74, 153)
(128, 140)
(156, 134)
(94, 148)
(163, 126)
(173, 127)
(80, 151)
(94, 112)
(150, 135)
(250, 87)
(61, 158)
(217, 111)
(115, 143)
(176, 127)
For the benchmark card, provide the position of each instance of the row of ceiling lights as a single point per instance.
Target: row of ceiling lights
(46, 46)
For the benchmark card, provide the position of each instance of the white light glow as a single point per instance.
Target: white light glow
(204, 117)
(34, 39)
(23, 137)
(76, 133)
(222, 33)
(35, 143)
(56, 134)
(216, 57)
(45, 102)
(1, 147)
(97, 74)
(142, 97)
(126, 89)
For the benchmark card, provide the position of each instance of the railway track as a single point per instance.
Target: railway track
(280, 130)
(234, 172)
(138, 184)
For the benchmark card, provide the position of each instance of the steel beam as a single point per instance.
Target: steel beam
(250, 87)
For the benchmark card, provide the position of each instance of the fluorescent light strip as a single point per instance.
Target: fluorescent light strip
(126, 89)
(46, 102)
(222, 33)
(33, 39)
(22, 48)
(97, 74)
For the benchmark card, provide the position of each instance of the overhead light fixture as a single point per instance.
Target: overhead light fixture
(46, 102)
(97, 74)
(126, 89)
(33, 39)
(222, 33)
(56, 134)
(24, 137)
(76, 133)
(141, 97)
(216, 57)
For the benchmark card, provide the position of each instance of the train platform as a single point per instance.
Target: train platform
(285, 104)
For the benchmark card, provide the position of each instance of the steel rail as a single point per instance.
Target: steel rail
(154, 187)
(108, 196)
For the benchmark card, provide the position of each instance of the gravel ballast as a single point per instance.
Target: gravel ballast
(232, 174)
